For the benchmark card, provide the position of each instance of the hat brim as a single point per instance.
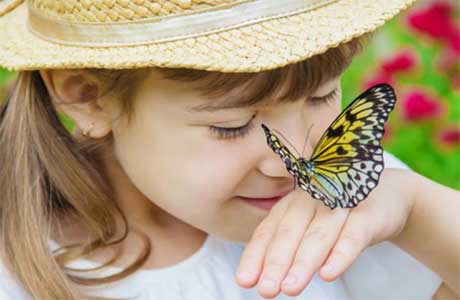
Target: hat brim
(263, 46)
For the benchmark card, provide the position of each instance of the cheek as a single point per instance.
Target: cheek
(200, 188)
(323, 117)
(213, 171)
(187, 181)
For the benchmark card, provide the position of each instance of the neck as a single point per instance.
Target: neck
(165, 232)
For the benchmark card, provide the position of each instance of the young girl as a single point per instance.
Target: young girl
(166, 187)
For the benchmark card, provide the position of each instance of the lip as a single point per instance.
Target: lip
(263, 203)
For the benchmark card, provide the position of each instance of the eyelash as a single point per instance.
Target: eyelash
(325, 99)
(232, 132)
(229, 133)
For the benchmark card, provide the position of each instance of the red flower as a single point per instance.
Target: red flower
(418, 105)
(451, 136)
(405, 60)
(438, 22)
(402, 61)
(377, 79)
(433, 20)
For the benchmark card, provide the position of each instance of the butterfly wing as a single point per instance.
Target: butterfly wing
(348, 158)
(296, 167)
(291, 162)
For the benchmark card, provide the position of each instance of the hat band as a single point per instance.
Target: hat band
(164, 29)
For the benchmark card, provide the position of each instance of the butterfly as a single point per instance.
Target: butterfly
(347, 161)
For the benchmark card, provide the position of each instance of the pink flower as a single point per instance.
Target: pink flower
(402, 61)
(450, 136)
(417, 105)
(438, 22)
(433, 20)
(377, 79)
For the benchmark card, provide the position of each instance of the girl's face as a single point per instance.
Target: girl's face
(178, 159)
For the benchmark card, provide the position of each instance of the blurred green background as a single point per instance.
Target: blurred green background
(418, 54)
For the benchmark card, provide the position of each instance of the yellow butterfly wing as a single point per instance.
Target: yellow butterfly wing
(348, 158)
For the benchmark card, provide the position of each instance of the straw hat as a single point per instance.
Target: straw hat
(215, 35)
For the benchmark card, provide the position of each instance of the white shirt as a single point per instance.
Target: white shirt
(382, 272)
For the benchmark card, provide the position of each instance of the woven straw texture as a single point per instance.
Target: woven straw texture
(250, 48)
(120, 10)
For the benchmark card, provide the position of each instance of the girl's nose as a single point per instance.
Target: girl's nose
(291, 125)
(271, 164)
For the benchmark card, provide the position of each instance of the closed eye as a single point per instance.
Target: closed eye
(324, 99)
(232, 132)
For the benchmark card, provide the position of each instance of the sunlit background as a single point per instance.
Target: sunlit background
(418, 54)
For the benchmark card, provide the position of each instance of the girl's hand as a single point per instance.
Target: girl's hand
(301, 236)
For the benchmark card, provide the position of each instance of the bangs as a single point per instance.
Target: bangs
(299, 80)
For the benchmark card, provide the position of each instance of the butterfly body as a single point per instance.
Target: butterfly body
(322, 183)
(347, 161)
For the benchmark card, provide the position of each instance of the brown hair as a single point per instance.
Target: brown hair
(47, 176)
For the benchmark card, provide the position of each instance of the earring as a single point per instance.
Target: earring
(85, 133)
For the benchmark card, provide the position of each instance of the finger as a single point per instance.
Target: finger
(251, 260)
(281, 251)
(353, 239)
(315, 245)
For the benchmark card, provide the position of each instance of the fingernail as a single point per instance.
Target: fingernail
(267, 283)
(243, 275)
(329, 268)
(290, 279)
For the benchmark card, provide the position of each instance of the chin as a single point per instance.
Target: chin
(238, 239)
(237, 223)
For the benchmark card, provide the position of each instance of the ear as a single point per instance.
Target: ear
(75, 93)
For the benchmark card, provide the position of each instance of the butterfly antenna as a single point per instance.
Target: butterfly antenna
(286, 140)
(306, 138)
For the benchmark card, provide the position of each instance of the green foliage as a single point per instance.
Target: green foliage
(5, 75)
(415, 142)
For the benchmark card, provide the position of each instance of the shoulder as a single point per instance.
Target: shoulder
(445, 293)
(392, 161)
